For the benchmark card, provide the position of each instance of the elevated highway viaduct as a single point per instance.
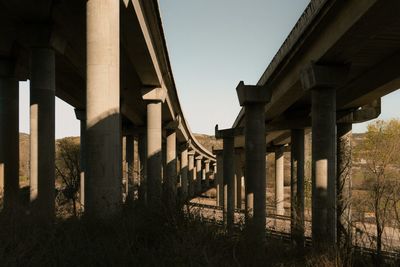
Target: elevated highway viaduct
(332, 70)
(109, 60)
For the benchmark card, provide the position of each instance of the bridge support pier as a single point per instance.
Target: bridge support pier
(323, 81)
(42, 133)
(219, 178)
(297, 187)
(103, 140)
(9, 135)
(199, 175)
(238, 179)
(343, 183)
(207, 171)
(254, 98)
(171, 179)
(184, 172)
(279, 181)
(228, 178)
(81, 116)
(192, 173)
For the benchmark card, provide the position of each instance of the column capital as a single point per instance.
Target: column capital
(154, 94)
(217, 151)
(191, 153)
(80, 114)
(174, 124)
(228, 133)
(252, 94)
(207, 161)
(199, 157)
(323, 76)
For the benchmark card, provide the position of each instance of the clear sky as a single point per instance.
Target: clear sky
(213, 44)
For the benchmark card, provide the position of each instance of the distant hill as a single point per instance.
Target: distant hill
(208, 141)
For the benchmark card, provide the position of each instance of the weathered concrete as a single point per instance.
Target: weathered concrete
(184, 172)
(171, 177)
(322, 81)
(254, 98)
(220, 177)
(279, 181)
(81, 116)
(104, 152)
(199, 174)
(192, 173)
(154, 135)
(42, 133)
(238, 179)
(229, 180)
(343, 183)
(207, 173)
(297, 187)
(9, 135)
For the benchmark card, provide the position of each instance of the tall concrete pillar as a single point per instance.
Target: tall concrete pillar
(154, 98)
(199, 174)
(184, 172)
(192, 173)
(219, 178)
(130, 161)
(279, 181)
(297, 186)
(42, 132)
(9, 135)
(81, 116)
(254, 98)
(238, 179)
(142, 147)
(171, 177)
(322, 81)
(229, 176)
(207, 173)
(343, 183)
(103, 141)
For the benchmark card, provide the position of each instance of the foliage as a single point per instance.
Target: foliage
(68, 170)
(380, 150)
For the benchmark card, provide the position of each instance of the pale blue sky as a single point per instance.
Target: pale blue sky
(213, 44)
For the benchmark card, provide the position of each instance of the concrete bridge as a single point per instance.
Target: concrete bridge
(109, 60)
(338, 61)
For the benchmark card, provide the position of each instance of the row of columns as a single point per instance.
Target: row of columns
(101, 130)
(331, 163)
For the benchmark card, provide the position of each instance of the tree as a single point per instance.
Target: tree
(380, 150)
(68, 169)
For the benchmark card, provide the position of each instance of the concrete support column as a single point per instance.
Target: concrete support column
(228, 178)
(322, 81)
(184, 172)
(142, 147)
(219, 178)
(129, 157)
(207, 172)
(192, 173)
(9, 135)
(104, 147)
(279, 181)
(171, 179)
(297, 186)
(238, 180)
(154, 157)
(343, 183)
(81, 116)
(199, 174)
(254, 98)
(42, 132)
